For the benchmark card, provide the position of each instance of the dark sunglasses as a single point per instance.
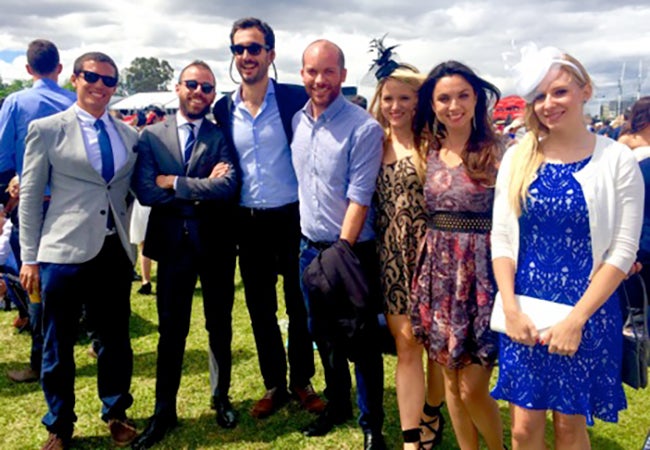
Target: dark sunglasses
(253, 49)
(92, 77)
(207, 88)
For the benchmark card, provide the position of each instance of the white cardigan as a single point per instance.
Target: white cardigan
(614, 191)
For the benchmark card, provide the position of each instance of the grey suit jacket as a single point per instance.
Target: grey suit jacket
(73, 229)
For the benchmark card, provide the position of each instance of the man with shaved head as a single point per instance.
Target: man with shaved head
(336, 152)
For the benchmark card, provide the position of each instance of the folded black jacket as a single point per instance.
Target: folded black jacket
(339, 299)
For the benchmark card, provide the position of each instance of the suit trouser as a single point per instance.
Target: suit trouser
(269, 241)
(103, 285)
(176, 282)
(369, 366)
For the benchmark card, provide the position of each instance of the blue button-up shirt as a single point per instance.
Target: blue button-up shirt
(268, 178)
(337, 159)
(43, 99)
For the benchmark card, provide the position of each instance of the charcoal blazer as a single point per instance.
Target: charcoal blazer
(199, 206)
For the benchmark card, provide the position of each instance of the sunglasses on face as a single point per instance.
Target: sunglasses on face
(92, 77)
(207, 88)
(253, 49)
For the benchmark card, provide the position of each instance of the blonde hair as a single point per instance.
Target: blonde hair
(527, 157)
(410, 76)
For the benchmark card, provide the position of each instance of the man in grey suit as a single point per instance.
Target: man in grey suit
(80, 245)
(186, 172)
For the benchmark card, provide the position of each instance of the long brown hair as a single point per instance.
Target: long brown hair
(483, 150)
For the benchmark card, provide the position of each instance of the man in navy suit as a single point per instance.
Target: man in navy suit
(186, 171)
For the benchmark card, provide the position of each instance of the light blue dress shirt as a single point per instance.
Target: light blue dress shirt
(43, 99)
(268, 178)
(337, 159)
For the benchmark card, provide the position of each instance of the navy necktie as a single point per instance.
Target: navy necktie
(108, 167)
(189, 144)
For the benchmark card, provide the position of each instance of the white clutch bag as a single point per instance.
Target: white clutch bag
(543, 313)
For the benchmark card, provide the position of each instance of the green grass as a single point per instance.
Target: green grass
(22, 406)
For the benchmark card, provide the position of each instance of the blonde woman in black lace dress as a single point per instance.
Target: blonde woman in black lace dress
(401, 222)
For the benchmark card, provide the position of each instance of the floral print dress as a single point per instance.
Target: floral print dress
(453, 286)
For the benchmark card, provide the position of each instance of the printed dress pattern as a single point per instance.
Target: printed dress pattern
(554, 263)
(401, 221)
(453, 287)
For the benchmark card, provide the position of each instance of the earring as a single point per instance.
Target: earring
(473, 122)
(434, 128)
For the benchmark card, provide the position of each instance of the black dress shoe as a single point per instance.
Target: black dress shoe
(156, 430)
(327, 419)
(373, 440)
(226, 414)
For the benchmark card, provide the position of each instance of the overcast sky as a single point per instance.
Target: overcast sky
(603, 34)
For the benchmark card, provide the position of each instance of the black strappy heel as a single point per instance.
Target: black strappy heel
(436, 417)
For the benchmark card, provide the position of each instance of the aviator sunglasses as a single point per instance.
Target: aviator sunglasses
(206, 87)
(253, 49)
(92, 77)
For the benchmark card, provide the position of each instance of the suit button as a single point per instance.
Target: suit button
(108, 187)
(102, 212)
(197, 203)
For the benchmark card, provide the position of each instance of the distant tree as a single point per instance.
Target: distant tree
(68, 85)
(16, 85)
(146, 75)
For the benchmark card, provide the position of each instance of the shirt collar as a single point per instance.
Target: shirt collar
(45, 82)
(181, 120)
(330, 112)
(85, 116)
(270, 91)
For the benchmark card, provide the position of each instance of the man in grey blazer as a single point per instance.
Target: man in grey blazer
(186, 171)
(80, 245)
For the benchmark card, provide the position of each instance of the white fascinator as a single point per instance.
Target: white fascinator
(534, 65)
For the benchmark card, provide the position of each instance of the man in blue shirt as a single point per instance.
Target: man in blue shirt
(257, 118)
(18, 111)
(45, 98)
(337, 152)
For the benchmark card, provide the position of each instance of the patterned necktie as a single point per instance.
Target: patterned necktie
(108, 167)
(189, 144)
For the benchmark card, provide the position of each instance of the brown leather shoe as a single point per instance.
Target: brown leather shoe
(123, 432)
(54, 442)
(273, 399)
(23, 376)
(308, 399)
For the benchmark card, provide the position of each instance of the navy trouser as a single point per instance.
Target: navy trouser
(369, 367)
(269, 241)
(103, 286)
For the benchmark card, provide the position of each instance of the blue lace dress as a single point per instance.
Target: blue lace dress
(554, 263)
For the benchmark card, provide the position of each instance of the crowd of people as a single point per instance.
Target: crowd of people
(413, 210)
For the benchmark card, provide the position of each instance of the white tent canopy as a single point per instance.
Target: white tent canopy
(168, 100)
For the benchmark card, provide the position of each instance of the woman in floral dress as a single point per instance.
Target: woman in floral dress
(453, 288)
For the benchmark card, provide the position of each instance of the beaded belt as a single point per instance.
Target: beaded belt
(467, 222)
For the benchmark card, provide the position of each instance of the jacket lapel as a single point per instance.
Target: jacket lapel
(170, 137)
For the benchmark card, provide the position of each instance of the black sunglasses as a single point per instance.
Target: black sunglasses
(92, 77)
(207, 88)
(253, 49)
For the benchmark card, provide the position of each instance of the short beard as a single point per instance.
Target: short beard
(199, 115)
